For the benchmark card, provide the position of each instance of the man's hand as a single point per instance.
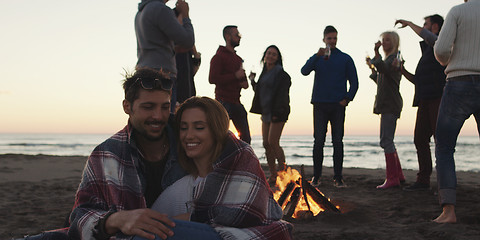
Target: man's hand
(140, 222)
(403, 22)
(182, 8)
(417, 29)
(344, 102)
(240, 74)
(321, 52)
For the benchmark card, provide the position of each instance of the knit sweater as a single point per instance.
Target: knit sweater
(458, 44)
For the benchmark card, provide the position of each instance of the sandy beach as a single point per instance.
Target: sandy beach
(37, 193)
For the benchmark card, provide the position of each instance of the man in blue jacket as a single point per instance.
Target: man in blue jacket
(330, 96)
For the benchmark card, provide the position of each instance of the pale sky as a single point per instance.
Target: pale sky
(62, 61)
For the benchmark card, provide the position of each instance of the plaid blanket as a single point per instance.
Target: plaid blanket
(236, 199)
(113, 180)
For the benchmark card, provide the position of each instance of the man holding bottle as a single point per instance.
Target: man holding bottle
(330, 96)
(228, 75)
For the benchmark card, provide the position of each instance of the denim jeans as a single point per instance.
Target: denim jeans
(388, 125)
(238, 114)
(461, 98)
(322, 114)
(185, 230)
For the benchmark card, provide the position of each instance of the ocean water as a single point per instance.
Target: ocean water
(360, 151)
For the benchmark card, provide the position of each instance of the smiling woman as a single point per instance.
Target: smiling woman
(197, 140)
(214, 157)
(203, 126)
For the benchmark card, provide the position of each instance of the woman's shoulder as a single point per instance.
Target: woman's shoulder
(282, 74)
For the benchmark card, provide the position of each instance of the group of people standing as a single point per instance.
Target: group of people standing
(176, 170)
(447, 81)
(447, 87)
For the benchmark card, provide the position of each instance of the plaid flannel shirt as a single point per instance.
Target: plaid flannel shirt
(113, 180)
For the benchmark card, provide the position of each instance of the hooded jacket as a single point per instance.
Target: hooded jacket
(158, 31)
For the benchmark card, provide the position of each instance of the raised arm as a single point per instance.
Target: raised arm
(417, 29)
(309, 65)
(424, 33)
(181, 34)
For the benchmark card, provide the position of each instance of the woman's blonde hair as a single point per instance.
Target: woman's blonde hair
(395, 42)
(218, 123)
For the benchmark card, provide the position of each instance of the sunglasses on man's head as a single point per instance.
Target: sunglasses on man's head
(152, 83)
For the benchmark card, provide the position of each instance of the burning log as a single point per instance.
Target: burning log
(305, 202)
(304, 191)
(304, 214)
(318, 197)
(286, 193)
(292, 204)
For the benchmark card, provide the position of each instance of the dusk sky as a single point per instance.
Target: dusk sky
(62, 61)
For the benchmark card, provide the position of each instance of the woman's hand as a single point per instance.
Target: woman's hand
(377, 46)
(368, 61)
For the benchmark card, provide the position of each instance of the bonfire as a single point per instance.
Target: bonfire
(298, 198)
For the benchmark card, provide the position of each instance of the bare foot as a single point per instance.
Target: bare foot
(448, 215)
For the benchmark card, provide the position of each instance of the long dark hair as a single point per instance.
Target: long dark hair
(279, 60)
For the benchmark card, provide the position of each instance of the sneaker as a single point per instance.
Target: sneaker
(417, 187)
(315, 182)
(339, 183)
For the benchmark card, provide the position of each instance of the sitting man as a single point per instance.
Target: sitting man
(125, 174)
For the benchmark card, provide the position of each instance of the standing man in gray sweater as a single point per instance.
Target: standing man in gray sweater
(158, 31)
(458, 48)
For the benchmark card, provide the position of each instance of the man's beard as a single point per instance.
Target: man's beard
(234, 44)
(152, 138)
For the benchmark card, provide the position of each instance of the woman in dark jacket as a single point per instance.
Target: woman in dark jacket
(388, 104)
(272, 101)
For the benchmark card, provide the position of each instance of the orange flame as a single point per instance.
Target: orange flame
(285, 177)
